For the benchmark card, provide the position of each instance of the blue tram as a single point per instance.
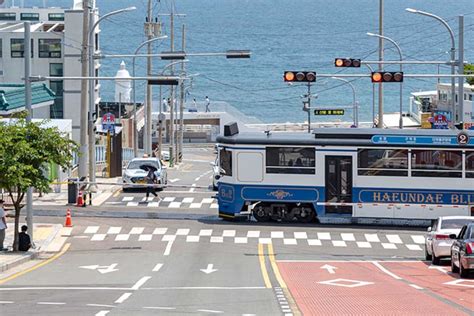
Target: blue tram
(346, 173)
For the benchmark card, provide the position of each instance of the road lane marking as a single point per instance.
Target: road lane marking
(56, 256)
(217, 239)
(127, 198)
(102, 313)
(168, 248)
(339, 243)
(277, 235)
(136, 230)
(51, 303)
(314, 242)
(145, 237)
(98, 237)
(122, 237)
(228, 233)
(418, 239)
(169, 199)
(263, 267)
(416, 286)
(253, 234)
(372, 238)
(187, 200)
(265, 241)
(205, 288)
(347, 237)
(133, 204)
(364, 244)
(160, 231)
(413, 247)
(394, 239)
(324, 236)
(393, 275)
(123, 298)
(300, 235)
(114, 230)
(192, 238)
(100, 305)
(389, 246)
(63, 288)
(276, 271)
(91, 229)
(210, 311)
(6, 302)
(182, 231)
(157, 267)
(140, 282)
(205, 232)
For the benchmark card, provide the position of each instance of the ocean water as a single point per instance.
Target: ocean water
(287, 35)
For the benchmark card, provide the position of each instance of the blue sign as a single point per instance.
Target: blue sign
(418, 140)
(108, 123)
(414, 197)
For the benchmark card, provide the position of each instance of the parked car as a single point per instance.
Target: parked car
(215, 174)
(462, 251)
(437, 241)
(137, 170)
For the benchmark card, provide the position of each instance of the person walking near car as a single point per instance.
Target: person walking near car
(3, 225)
(150, 179)
(208, 103)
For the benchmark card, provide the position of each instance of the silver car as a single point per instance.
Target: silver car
(462, 251)
(437, 242)
(134, 176)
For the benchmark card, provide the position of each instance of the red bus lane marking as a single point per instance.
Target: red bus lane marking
(356, 288)
(444, 284)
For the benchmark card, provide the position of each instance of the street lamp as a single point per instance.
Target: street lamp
(453, 56)
(91, 47)
(400, 121)
(354, 103)
(135, 129)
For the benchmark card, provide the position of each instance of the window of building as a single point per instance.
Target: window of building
(56, 16)
(225, 162)
(382, 162)
(29, 16)
(57, 110)
(290, 160)
(471, 97)
(469, 164)
(49, 48)
(436, 163)
(55, 70)
(18, 47)
(7, 16)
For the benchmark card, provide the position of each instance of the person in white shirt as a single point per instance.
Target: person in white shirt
(207, 104)
(3, 225)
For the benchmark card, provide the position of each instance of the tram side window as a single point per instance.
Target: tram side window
(290, 160)
(382, 162)
(436, 163)
(225, 162)
(469, 164)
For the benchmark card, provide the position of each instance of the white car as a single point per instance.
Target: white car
(215, 174)
(437, 241)
(136, 172)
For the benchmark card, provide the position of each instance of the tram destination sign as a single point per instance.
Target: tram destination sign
(421, 140)
(329, 112)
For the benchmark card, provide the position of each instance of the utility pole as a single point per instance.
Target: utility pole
(460, 110)
(181, 101)
(27, 55)
(380, 121)
(83, 115)
(309, 107)
(171, 105)
(148, 138)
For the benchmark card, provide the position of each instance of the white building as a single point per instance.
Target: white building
(56, 36)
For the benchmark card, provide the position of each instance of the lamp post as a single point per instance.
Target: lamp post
(91, 47)
(400, 121)
(354, 103)
(373, 96)
(453, 57)
(135, 129)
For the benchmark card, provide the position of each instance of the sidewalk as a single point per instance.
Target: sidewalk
(47, 238)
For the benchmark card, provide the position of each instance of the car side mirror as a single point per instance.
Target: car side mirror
(429, 229)
(452, 236)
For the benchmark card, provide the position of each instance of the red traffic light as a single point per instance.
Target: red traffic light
(347, 62)
(387, 76)
(299, 76)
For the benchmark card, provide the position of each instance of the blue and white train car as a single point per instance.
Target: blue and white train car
(346, 173)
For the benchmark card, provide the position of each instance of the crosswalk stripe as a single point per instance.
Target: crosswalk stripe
(394, 239)
(188, 200)
(122, 237)
(91, 229)
(98, 237)
(174, 205)
(277, 235)
(182, 231)
(160, 231)
(214, 205)
(389, 246)
(217, 239)
(169, 199)
(153, 204)
(132, 204)
(145, 237)
(413, 247)
(205, 232)
(324, 236)
(207, 200)
(192, 238)
(314, 242)
(114, 230)
(240, 240)
(253, 234)
(265, 241)
(228, 233)
(137, 230)
(418, 239)
(127, 198)
(168, 238)
(339, 243)
(300, 235)
(372, 238)
(195, 205)
(289, 241)
(347, 237)
(364, 244)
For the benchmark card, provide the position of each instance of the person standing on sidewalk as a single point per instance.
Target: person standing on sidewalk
(208, 103)
(3, 225)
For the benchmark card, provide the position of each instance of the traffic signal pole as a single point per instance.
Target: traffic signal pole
(380, 120)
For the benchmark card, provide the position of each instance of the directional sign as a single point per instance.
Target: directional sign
(209, 269)
(329, 112)
(101, 269)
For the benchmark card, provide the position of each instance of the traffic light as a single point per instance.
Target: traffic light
(347, 62)
(387, 76)
(299, 76)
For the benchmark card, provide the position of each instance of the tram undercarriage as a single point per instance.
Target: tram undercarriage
(299, 212)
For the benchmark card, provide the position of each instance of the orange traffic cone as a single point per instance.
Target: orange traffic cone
(68, 222)
(80, 200)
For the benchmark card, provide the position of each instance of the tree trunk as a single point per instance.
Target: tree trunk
(16, 227)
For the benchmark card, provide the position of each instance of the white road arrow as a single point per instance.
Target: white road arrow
(209, 269)
(330, 268)
(442, 269)
(101, 269)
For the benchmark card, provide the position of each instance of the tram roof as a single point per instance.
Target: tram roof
(340, 136)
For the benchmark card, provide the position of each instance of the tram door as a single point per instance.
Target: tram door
(339, 183)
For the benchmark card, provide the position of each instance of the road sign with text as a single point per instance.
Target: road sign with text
(329, 112)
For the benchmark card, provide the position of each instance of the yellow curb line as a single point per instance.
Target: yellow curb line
(263, 267)
(56, 256)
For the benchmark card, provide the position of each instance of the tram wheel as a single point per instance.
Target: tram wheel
(260, 214)
(306, 215)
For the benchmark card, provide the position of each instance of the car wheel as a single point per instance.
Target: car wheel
(434, 260)
(463, 273)
(427, 255)
(454, 269)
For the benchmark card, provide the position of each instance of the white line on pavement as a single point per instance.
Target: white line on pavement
(416, 286)
(102, 313)
(168, 248)
(157, 267)
(210, 311)
(123, 297)
(140, 282)
(100, 305)
(378, 265)
(51, 303)
(80, 288)
(207, 288)
(6, 302)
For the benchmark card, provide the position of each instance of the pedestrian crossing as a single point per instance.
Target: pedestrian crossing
(166, 202)
(310, 238)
